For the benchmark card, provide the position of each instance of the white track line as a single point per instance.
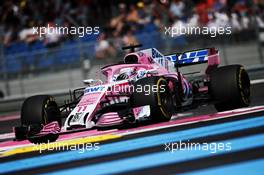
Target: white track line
(7, 136)
(258, 81)
(7, 118)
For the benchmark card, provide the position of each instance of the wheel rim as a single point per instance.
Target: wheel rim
(50, 110)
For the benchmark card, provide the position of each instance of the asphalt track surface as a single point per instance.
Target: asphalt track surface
(150, 152)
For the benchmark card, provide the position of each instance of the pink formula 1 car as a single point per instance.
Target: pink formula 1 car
(146, 87)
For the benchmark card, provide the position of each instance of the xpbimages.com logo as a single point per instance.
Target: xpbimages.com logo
(60, 146)
(213, 147)
(62, 30)
(146, 89)
(196, 30)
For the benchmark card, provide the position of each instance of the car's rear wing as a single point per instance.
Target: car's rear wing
(208, 55)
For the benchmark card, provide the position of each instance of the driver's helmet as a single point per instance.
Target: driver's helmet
(124, 74)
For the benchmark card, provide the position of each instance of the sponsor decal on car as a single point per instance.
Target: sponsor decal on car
(94, 89)
(190, 57)
(156, 53)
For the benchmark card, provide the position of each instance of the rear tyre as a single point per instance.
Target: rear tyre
(37, 111)
(158, 97)
(230, 87)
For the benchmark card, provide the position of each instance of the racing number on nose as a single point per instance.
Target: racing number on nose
(81, 108)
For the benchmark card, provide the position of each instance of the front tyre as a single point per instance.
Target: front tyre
(37, 111)
(158, 97)
(230, 87)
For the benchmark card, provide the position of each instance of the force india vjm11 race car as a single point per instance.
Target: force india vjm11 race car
(146, 87)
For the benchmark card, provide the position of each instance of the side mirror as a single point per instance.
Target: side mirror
(88, 81)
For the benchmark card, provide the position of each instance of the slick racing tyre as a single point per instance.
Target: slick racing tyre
(230, 87)
(37, 111)
(158, 97)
